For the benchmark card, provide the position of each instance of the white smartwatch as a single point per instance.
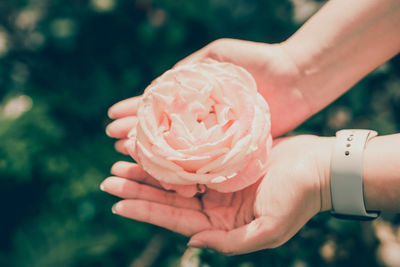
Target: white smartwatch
(347, 192)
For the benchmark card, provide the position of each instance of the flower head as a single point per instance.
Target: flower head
(202, 124)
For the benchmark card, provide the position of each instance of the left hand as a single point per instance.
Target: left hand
(263, 215)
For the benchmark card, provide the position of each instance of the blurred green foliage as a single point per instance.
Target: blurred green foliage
(63, 63)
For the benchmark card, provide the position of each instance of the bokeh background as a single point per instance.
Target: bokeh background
(63, 63)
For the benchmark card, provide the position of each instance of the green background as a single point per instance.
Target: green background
(63, 63)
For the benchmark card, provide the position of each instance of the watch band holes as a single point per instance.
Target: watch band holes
(347, 153)
(348, 145)
(350, 138)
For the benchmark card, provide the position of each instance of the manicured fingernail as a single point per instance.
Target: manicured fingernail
(102, 187)
(196, 243)
(107, 132)
(114, 209)
(110, 115)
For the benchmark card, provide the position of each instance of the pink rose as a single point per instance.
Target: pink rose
(203, 125)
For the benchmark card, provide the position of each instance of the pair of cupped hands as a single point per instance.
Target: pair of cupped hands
(263, 215)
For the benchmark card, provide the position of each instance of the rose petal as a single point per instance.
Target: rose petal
(203, 123)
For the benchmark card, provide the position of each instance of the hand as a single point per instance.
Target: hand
(264, 215)
(275, 73)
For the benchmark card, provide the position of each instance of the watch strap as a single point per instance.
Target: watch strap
(347, 192)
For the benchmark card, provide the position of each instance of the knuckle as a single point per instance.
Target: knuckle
(226, 249)
(126, 188)
(228, 253)
(220, 42)
(170, 198)
(216, 48)
(138, 189)
(149, 214)
(277, 242)
(175, 223)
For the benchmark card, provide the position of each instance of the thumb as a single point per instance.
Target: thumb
(211, 239)
(250, 237)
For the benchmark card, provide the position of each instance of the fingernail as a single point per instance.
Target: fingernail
(101, 187)
(196, 243)
(110, 115)
(114, 209)
(107, 132)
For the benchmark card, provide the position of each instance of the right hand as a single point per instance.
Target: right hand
(275, 73)
(273, 70)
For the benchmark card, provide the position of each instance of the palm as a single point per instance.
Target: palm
(146, 200)
(227, 211)
(258, 216)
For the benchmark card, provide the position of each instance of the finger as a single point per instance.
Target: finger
(134, 172)
(184, 221)
(124, 188)
(127, 107)
(121, 127)
(250, 237)
(216, 50)
(196, 56)
(120, 146)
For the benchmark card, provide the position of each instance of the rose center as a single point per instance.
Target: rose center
(211, 112)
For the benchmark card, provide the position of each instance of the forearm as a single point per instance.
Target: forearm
(341, 44)
(381, 173)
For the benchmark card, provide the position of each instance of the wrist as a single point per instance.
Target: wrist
(325, 71)
(348, 188)
(312, 80)
(277, 81)
(323, 158)
(371, 195)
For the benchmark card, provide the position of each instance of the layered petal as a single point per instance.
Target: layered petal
(203, 125)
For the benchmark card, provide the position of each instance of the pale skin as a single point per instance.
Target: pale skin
(337, 47)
